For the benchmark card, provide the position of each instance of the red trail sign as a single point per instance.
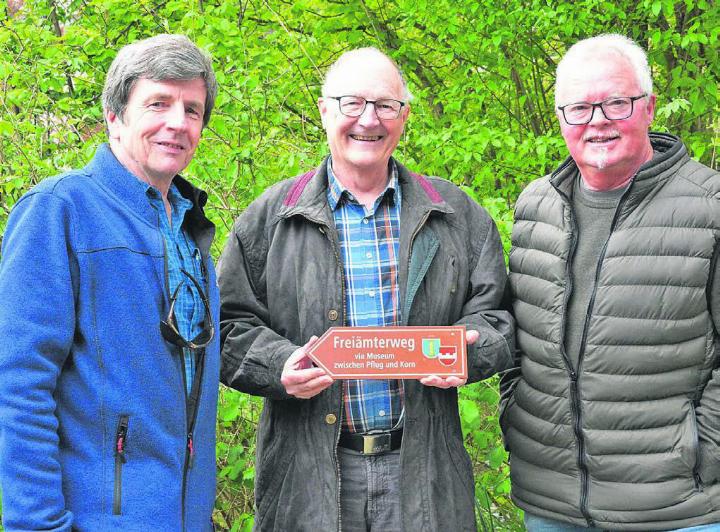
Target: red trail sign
(391, 352)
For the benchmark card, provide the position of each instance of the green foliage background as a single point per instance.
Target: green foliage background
(482, 117)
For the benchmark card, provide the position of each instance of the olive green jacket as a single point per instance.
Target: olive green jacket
(281, 281)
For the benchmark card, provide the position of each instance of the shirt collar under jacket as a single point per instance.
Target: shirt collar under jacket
(178, 205)
(336, 190)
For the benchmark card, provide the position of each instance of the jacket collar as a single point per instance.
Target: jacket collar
(669, 154)
(127, 188)
(336, 189)
(308, 196)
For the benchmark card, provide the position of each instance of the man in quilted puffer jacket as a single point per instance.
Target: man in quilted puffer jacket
(612, 414)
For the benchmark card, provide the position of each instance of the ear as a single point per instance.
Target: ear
(651, 108)
(406, 112)
(113, 122)
(323, 108)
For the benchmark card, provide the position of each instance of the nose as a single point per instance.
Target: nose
(175, 116)
(597, 115)
(369, 116)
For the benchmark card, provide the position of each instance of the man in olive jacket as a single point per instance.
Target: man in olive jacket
(612, 419)
(360, 241)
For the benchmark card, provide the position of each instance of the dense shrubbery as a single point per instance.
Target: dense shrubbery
(482, 116)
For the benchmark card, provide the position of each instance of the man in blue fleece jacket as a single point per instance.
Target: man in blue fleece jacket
(109, 356)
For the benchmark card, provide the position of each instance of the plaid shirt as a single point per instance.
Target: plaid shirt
(370, 246)
(182, 253)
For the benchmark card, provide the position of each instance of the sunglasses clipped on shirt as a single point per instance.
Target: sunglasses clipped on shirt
(168, 327)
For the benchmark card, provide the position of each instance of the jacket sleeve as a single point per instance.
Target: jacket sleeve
(708, 409)
(486, 308)
(253, 355)
(38, 273)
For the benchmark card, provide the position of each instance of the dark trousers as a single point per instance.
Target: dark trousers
(370, 491)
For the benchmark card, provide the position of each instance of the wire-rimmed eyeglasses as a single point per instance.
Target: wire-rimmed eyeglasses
(354, 106)
(168, 327)
(616, 108)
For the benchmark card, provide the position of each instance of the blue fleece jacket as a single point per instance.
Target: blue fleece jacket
(93, 426)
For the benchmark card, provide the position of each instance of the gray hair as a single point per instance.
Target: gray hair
(614, 42)
(161, 58)
(367, 51)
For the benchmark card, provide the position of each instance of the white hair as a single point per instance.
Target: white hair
(612, 42)
(367, 52)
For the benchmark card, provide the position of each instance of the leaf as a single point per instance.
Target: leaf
(6, 128)
(249, 474)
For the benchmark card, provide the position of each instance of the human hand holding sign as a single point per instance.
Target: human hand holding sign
(471, 337)
(300, 378)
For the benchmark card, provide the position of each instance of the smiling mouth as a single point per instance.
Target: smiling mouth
(172, 145)
(602, 139)
(366, 138)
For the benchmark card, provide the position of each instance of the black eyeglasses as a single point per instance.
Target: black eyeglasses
(580, 113)
(354, 106)
(169, 330)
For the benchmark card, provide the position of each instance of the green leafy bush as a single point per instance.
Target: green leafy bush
(482, 116)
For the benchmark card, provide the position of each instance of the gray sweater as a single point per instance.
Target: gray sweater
(594, 212)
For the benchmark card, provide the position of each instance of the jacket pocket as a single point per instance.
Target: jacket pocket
(274, 495)
(120, 459)
(696, 448)
(454, 273)
(459, 497)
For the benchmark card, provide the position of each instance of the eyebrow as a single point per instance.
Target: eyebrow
(159, 95)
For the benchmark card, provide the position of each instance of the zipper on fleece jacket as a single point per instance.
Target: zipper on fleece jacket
(191, 410)
(191, 402)
(120, 459)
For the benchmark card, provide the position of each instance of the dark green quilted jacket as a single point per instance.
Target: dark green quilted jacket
(630, 438)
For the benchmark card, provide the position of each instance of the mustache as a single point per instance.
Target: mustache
(603, 135)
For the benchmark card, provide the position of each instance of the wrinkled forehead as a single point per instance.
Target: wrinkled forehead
(371, 76)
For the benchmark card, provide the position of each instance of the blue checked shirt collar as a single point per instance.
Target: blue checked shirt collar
(337, 191)
(178, 206)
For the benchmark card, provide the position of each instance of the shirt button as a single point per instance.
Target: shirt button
(330, 419)
(368, 255)
(366, 221)
(371, 293)
(381, 413)
(333, 315)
